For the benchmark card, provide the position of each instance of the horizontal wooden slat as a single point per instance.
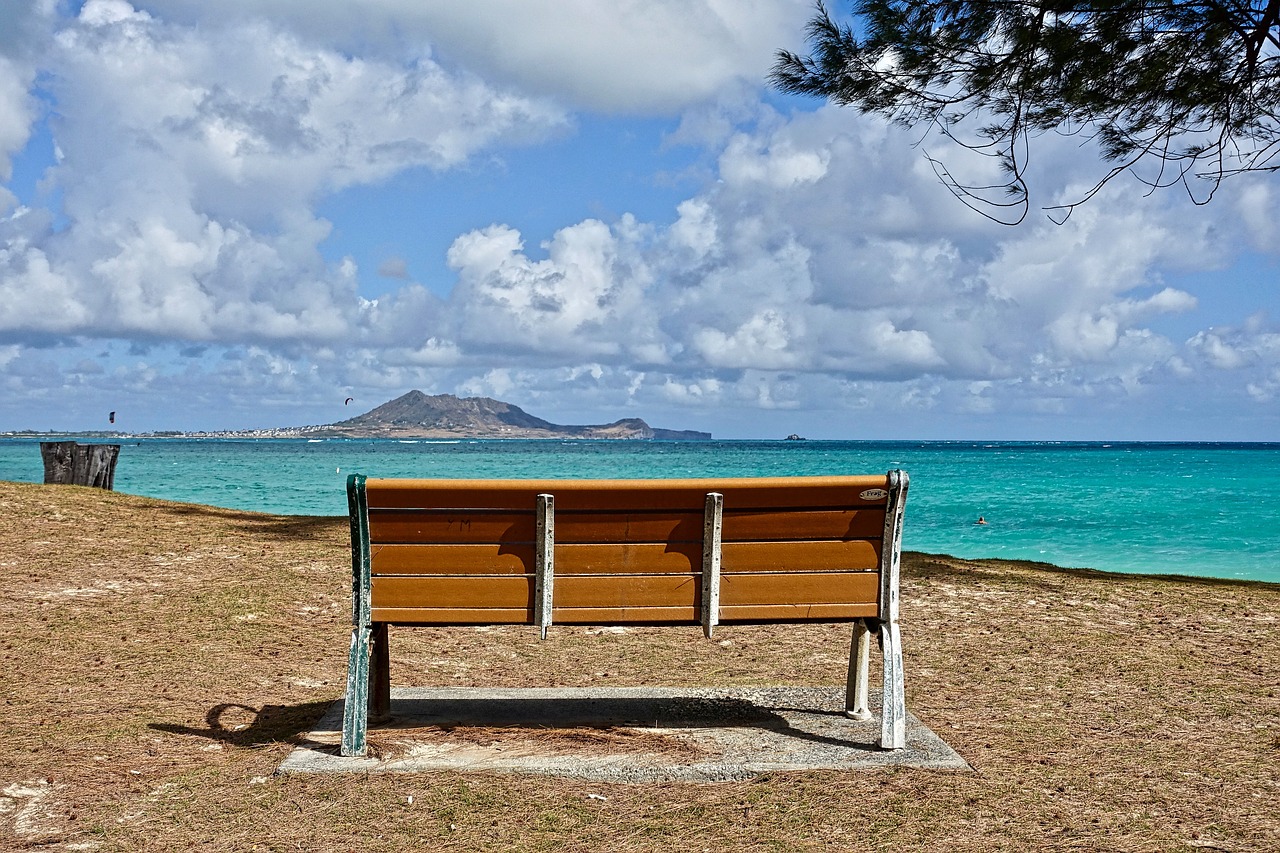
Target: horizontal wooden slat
(740, 557)
(740, 493)
(508, 526)
(451, 526)
(676, 558)
(478, 526)
(626, 591)
(453, 615)
(491, 592)
(639, 526)
(756, 613)
(680, 557)
(800, 588)
(783, 525)
(452, 559)
(742, 614)
(517, 591)
(625, 615)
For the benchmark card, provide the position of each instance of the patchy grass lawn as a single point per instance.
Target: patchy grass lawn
(161, 659)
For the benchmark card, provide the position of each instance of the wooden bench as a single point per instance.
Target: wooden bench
(625, 552)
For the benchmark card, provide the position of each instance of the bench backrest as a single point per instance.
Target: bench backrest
(439, 552)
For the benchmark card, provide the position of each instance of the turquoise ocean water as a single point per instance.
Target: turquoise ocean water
(1195, 509)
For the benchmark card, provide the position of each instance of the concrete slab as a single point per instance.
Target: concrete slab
(620, 734)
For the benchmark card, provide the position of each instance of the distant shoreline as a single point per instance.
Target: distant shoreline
(326, 433)
(313, 432)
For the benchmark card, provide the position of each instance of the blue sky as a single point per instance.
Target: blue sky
(592, 210)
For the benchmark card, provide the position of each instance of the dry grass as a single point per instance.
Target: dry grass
(159, 661)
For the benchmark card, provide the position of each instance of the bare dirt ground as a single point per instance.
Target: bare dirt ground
(160, 660)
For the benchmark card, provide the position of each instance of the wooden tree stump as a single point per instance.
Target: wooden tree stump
(69, 463)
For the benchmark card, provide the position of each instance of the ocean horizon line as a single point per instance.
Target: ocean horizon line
(260, 435)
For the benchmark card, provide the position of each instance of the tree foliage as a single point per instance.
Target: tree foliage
(1176, 93)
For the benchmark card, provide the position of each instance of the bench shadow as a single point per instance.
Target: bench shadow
(267, 725)
(285, 527)
(294, 724)
(603, 713)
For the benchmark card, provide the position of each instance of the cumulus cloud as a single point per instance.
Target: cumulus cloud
(1266, 389)
(17, 111)
(190, 208)
(654, 56)
(23, 35)
(764, 340)
(785, 266)
(779, 166)
(1230, 348)
(586, 299)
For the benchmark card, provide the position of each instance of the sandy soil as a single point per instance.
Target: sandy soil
(160, 660)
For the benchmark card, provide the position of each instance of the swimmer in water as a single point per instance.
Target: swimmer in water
(980, 520)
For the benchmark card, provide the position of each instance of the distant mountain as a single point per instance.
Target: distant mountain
(419, 415)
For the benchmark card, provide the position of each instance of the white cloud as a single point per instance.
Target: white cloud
(1217, 352)
(1092, 333)
(494, 383)
(586, 298)
(695, 229)
(17, 112)
(630, 56)
(700, 392)
(1266, 389)
(764, 340)
(190, 207)
(780, 166)
(778, 268)
(1258, 206)
(1254, 343)
(234, 108)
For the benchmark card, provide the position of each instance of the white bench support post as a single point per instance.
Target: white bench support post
(544, 563)
(893, 721)
(893, 705)
(856, 700)
(712, 527)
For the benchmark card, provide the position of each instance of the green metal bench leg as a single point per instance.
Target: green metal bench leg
(355, 712)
